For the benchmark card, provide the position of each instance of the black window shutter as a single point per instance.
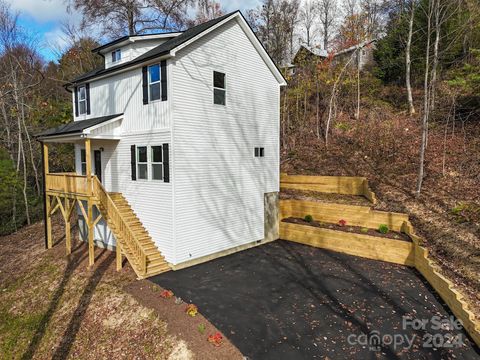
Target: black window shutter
(87, 91)
(145, 84)
(166, 164)
(163, 69)
(75, 90)
(133, 158)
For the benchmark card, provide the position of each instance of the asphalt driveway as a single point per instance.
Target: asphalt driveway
(288, 301)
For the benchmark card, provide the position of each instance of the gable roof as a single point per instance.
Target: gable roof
(162, 49)
(174, 43)
(75, 127)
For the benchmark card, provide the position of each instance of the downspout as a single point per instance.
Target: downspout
(44, 195)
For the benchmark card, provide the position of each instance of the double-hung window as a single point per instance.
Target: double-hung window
(83, 162)
(142, 162)
(154, 82)
(116, 55)
(82, 100)
(157, 162)
(219, 88)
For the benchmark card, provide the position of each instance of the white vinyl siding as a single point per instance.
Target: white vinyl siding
(152, 201)
(219, 185)
(123, 93)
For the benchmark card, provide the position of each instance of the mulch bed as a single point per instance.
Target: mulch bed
(394, 235)
(291, 194)
(193, 330)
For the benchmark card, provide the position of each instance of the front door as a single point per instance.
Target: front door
(97, 159)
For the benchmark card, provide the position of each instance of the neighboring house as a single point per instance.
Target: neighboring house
(307, 55)
(182, 133)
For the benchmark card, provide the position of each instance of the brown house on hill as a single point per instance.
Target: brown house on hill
(307, 55)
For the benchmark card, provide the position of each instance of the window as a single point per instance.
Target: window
(259, 152)
(154, 81)
(219, 88)
(116, 55)
(157, 163)
(83, 161)
(82, 100)
(142, 167)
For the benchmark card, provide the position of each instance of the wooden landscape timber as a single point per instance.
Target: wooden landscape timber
(444, 287)
(347, 185)
(354, 215)
(367, 246)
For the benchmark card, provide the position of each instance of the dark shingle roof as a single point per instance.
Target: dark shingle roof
(158, 51)
(119, 40)
(75, 126)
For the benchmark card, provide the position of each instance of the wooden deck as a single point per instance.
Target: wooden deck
(65, 191)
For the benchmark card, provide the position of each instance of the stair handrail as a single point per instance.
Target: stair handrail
(124, 229)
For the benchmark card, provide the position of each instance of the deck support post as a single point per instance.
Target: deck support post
(119, 256)
(90, 224)
(48, 216)
(68, 235)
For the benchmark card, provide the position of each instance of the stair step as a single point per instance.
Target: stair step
(156, 263)
(157, 269)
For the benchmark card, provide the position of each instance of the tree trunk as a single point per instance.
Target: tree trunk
(357, 112)
(408, 61)
(331, 105)
(435, 56)
(426, 105)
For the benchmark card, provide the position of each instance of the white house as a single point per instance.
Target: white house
(182, 132)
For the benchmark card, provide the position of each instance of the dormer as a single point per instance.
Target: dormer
(128, 48)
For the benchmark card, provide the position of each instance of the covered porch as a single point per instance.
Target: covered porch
(83, 189)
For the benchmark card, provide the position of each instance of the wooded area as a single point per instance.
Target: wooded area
(408, 120)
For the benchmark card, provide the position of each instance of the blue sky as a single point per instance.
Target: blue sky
(43, 20)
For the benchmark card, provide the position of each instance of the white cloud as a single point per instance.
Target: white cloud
(43, 10)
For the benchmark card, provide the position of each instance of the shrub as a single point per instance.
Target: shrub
(364, 230)
(191, 310)
(342, 222)
(308, 218)
(383, 229)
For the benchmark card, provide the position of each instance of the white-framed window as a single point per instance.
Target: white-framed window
(83, 162)
(116, 55)
(154, 82)
(157, 162)
(82, 100)
(219, 88)
(142, 163)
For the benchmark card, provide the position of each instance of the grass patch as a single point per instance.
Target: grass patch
(16, 332)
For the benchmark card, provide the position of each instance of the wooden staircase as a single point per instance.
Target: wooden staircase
(133, 239)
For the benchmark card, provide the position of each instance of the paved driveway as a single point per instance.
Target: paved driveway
(288, 301)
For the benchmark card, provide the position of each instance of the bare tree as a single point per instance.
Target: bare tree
(133, 17)
(426, 99)
(408, 61)
(274, 23)
(308, 17)
(327, 15)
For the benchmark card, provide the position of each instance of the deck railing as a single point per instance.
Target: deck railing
(69, 183)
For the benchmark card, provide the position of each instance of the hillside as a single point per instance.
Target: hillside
(383, 146)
